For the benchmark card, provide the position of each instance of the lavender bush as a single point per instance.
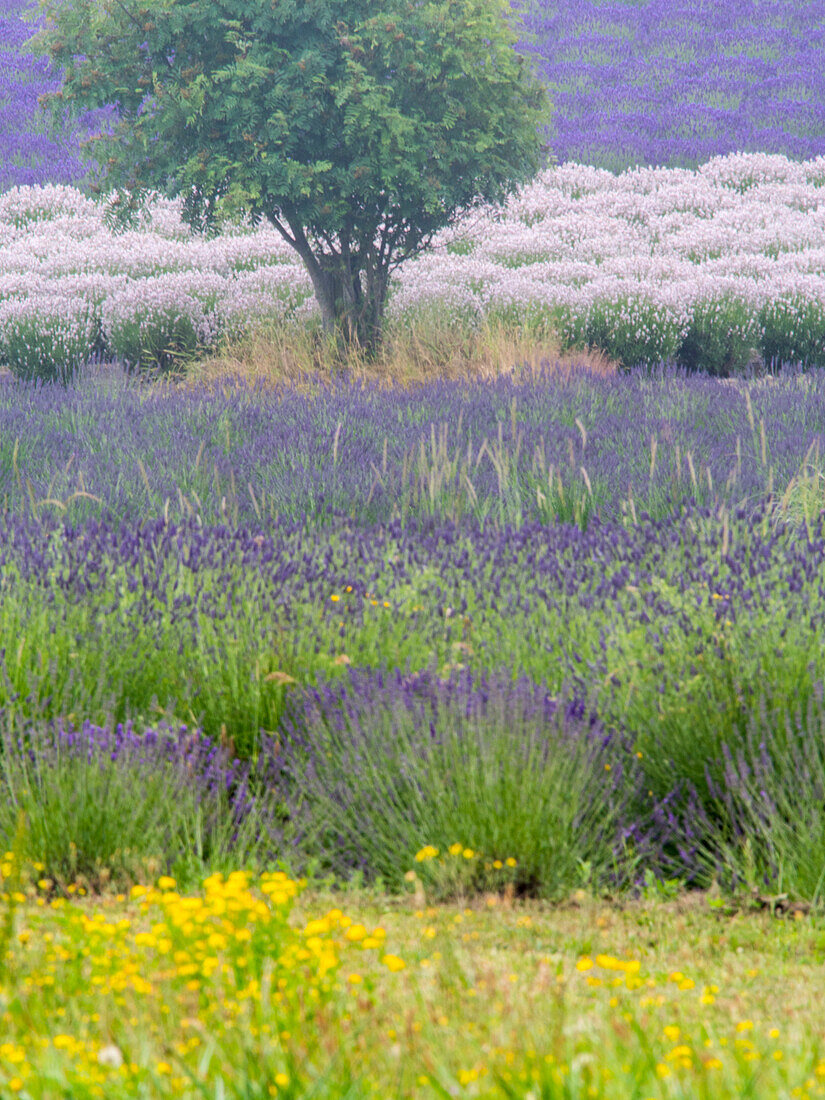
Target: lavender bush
(723, 339)
(793, 330)
(768, 805)
(380, 765)
(110, 805)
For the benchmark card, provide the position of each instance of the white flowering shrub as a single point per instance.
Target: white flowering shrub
(46, 337)
(258, 296)
(23, 206)
(636, 331)
(722, 337)
(793, 330)
(158, 324)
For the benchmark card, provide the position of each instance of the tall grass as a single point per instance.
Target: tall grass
(433, 349)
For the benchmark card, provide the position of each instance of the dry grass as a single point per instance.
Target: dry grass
(301, 356)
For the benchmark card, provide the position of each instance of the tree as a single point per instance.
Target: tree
(358, 128)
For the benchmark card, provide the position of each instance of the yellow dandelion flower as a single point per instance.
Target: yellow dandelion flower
(393, 963)
(426, 853)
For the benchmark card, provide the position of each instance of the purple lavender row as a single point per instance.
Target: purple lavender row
(503, 451)
(28, 154)
(665, 83)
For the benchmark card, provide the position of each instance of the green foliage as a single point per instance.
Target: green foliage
(634, 331)
(720, 338)
(793, 332)
(357, 132)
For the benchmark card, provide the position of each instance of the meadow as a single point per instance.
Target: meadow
(451, 724)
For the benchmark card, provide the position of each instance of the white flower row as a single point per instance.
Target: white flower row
(747, 225)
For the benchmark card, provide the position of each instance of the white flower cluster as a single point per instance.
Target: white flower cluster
(749, 225)
(650, 246)
(46, 336)
(152, 287)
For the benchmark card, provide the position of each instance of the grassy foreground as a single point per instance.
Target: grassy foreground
(255, 988)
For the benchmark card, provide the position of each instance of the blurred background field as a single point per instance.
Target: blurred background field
(646, 82)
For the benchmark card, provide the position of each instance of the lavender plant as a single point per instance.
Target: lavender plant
(109, 805)
(379, 766)
(634, 331)
(761, 830)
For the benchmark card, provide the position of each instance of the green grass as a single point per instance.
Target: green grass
(660, 998)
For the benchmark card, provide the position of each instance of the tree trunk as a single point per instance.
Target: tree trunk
(350, 310)
(351, 289)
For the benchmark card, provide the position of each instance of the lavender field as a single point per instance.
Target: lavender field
(646, 83)
(505, 644)
(660, 83)
(642, 554)
(364, 618)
